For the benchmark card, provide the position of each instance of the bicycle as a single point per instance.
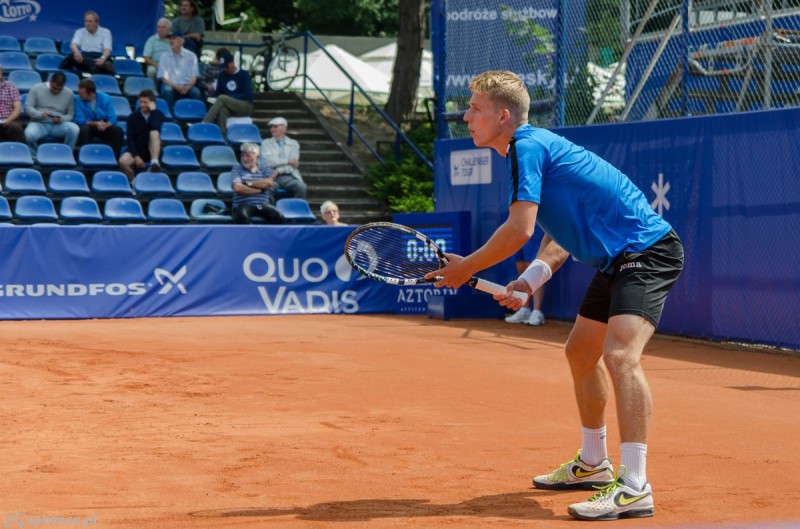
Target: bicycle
(283, 65)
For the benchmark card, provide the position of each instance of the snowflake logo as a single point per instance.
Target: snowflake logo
(661, 189)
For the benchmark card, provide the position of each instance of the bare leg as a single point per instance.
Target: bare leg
(126, 165)
(584, 349)
(154, 145)
(626, 338)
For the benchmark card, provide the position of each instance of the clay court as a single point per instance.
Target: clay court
(368, 421)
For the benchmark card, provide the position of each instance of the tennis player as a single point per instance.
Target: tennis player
(590, 210)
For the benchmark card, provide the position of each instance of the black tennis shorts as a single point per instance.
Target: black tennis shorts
(637, 283)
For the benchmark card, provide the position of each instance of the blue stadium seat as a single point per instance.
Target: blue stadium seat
(206, 210)
(72, 80)
(24, 80)
(202, 134)
(111, 183)
(224, 183)
(127, 68)
(35, 46)
(107, 84)
(14, 60)
(244, 133)
(123, 210)
(67, 182)
(189, 110)
(9, 43)
(24, 181)
(195, 183)
(218, 157)
(79, 209)
(179, 157)
(15, 154)
(5, 210)
(296, 211)
(166, 210)
(153, 184)
(55, 155)
(133, 85)
(171, 134)
(122, 107)
(64, 47)
(35, 208)
(97, 156)
(48, 62)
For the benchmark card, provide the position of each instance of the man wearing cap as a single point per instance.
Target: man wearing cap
(234, 94)
(177, 71)
(282, 154)
(91, 48)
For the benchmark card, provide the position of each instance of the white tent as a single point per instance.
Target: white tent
(383, 59)
(330, 79)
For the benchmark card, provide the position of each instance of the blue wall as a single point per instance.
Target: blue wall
(129, 22)
(733, 197)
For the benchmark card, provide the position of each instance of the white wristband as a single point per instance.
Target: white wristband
(536, 274)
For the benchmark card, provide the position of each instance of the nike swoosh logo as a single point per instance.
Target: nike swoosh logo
(623, 499)
(581, 473)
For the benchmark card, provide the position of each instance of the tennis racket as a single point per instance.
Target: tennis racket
(399, 255)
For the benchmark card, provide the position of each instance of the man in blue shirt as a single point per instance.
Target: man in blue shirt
(96, 117)
(589, 209)
(234, 94)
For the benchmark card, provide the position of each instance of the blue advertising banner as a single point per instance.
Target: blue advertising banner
(138, 271)
(131, 23)
(726, 183)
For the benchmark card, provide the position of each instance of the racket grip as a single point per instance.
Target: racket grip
(494, 288)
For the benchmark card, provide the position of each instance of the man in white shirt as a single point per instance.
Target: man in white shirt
(156, 46)
(282, 153)
(177, 71)
(91, 48)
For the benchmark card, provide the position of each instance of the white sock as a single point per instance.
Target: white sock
(594, 446)
(634, 458)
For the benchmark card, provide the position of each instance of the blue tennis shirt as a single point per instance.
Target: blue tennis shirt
(586, 205)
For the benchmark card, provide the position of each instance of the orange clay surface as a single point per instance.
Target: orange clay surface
(367, 422)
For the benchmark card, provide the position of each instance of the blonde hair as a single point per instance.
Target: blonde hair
(505, 88)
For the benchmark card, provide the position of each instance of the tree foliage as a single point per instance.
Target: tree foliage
(406, 185)
(368, 18)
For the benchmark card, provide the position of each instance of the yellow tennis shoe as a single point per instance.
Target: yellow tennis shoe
(576, 474)
(616, 500)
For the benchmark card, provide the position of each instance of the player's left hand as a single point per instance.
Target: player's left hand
(508, 300)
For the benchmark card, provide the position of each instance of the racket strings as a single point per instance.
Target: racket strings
(392, 253)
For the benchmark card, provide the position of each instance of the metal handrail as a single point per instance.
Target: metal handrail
(355, 86)
(350, 122)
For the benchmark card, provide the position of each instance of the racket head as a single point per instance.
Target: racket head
(393, 253)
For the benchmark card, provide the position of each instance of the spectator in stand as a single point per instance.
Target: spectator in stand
(91, 48)
(191, 25)
(208, 81)
(330, 213)
(282, 153)
(10, 110)
(96, 117)
(177, 71)
(234, 94)
(51, 108)
(144, 136)
(252, 189)
(156, 46)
